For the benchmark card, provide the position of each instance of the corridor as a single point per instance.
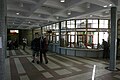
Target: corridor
(60, 67)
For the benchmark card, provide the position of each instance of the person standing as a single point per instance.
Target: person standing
(43, 49)
(15, 44)
(35, 48)
(105, 49)
(24, 43)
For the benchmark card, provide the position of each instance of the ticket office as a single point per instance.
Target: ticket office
(87, 32)
(81, 34)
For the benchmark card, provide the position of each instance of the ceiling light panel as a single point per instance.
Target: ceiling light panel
(62, 1)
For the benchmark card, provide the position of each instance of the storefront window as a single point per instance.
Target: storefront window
(50, 27)
(57, 37)
(92, 23)
(103, 24)
(71, 24)
(63, 25)
(80, 23)
(84, 36)
(54, 26)
(103, 35)
(57, 26)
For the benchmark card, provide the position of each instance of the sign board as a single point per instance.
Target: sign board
(0, 42)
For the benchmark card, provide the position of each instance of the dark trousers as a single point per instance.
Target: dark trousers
(106, 53)
(24, 45)
(43, 53)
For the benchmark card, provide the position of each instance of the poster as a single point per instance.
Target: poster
(0, 42)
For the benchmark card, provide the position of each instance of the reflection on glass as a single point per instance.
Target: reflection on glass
(57, 39)
(80, 23)
(71, 24)
(63, 25)
(103, 35)
(54, 26)
(103, 24)
(92, 23)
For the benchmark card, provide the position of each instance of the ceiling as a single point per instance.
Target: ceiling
(27, 14)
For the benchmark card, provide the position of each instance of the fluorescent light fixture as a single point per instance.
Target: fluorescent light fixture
(57, 17)
(62, 0)
(17, 13)
(110, 5)
(14, 31)
(69, 13)
(91, 15)
(105, 6)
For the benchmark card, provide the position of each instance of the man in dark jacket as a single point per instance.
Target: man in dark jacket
(43, 49)
(35, 46)
(105, 49)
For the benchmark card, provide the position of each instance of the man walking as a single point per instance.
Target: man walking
(35, 48)
(43, 49)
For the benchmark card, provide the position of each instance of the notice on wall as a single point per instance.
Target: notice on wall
(0, 42)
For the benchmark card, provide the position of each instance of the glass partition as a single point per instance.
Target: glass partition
(63, 25)
(92, 23)
(103, 24)
(71, 24)
(80, 23)
(87, 33)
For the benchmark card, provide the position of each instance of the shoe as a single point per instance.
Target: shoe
(33, 61)
(37, 62)
(46, 62)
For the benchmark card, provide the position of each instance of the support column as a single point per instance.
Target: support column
(60, 37)
(3, 30)
(113, 39)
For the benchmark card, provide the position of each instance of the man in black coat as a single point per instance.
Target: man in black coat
(106, 50)
(43, 49)
(35, 46)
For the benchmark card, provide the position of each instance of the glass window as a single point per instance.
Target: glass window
(53, 39)
(57, 26)
(103, 24)
(68, 24)
(80, 23)
(92, 23)
(71, 24)
(63, 41)
(92, 39)
(103, 35)
(57, 38)
(63, 25)
(54, 26)
(50, 26)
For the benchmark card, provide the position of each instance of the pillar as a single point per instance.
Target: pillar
(3, 31)
(113, 39)
(60, 37)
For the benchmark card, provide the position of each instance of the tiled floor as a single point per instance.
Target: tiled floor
(20, 67)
